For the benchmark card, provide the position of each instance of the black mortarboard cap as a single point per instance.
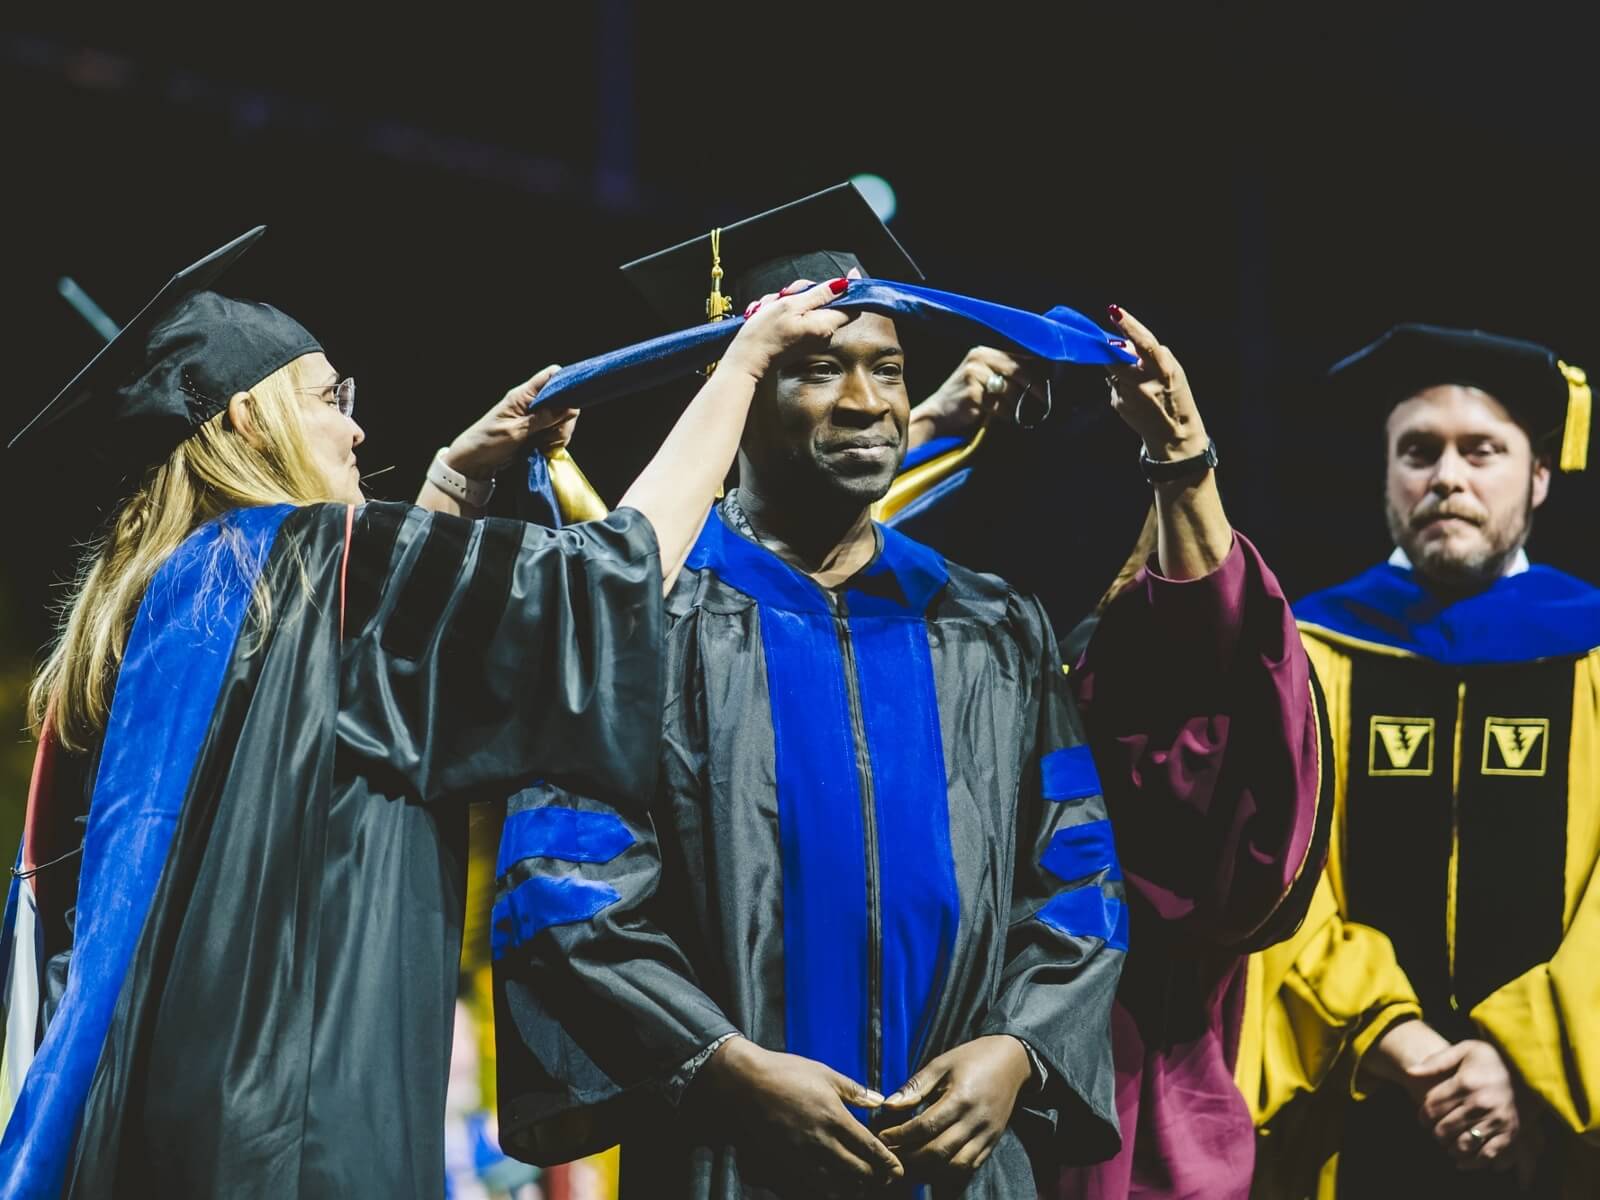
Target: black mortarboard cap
(168, 371)
(1542, 393)
(819, 237)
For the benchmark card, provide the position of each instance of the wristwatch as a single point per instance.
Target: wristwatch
(451, 482)
(1178, 468)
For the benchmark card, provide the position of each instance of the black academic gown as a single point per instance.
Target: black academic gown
(282, 1024)
(877, 834)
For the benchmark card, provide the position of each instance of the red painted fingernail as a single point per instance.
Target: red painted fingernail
(838, 285)
(1115, 312)
(750, 309)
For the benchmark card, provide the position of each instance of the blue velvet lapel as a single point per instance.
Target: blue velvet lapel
(1541, 613)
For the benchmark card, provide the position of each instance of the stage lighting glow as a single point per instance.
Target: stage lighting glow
(877, 192)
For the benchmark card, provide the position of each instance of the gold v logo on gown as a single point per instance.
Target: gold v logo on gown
(1400, 746)
(1515, 745)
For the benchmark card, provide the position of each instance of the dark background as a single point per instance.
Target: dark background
(1268, 188)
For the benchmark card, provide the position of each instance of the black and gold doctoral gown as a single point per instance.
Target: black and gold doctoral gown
(263, 966)
(1461, 886)
(877, 834)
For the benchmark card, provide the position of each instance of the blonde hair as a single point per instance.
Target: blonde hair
(215, 469)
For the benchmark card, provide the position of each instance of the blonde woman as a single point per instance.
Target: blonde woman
(267, 707)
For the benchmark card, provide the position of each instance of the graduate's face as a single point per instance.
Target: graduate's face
(1463, 482)
(832, 415)
(331, 437)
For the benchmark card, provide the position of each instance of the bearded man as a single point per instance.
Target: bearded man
(1431, 1029)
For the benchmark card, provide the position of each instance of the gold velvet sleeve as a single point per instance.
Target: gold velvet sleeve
(1314, 1006)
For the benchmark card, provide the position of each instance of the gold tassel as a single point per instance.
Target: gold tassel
(718, 306)
(1580, 403)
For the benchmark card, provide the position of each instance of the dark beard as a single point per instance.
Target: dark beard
(1463, 574)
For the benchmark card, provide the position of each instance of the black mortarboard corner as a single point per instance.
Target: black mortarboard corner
(1543, 394)
(766, 253)
(167, 372)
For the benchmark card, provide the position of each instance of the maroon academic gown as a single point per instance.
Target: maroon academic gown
(1199, 704)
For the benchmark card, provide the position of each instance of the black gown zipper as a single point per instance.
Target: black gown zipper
(869, 824)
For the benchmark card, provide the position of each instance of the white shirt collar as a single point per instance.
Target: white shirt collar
(1519, 564)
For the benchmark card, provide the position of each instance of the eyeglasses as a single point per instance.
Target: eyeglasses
(344, 396)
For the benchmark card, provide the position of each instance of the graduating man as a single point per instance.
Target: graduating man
(1447, 977)
(868, 929)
